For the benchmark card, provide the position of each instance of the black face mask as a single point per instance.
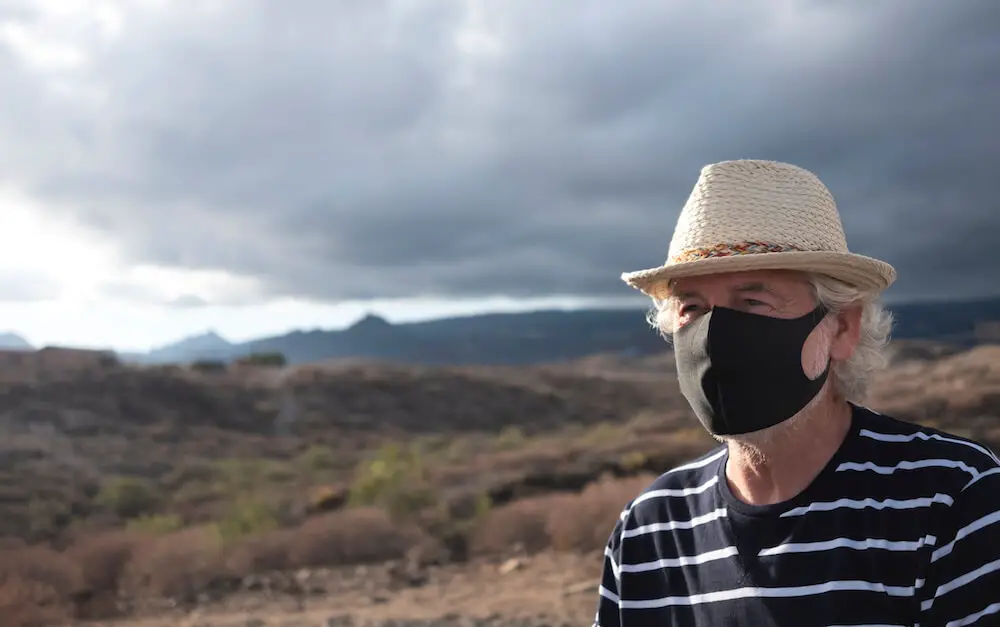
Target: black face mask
(742, 372)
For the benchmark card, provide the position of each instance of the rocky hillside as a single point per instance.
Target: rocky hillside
(219, 476)
(68, 432)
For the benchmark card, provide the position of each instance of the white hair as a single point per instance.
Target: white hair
(851, 377)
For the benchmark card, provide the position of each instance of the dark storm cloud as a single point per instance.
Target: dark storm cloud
(354, 149)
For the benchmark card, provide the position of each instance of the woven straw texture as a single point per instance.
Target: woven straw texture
(756, 215)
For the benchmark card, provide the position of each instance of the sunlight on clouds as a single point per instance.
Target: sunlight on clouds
(476, 42)
(87, 270)
(83, 15)
(61, 32)
(475, 37)
(180, 285)
(75, 258)
(39, 51)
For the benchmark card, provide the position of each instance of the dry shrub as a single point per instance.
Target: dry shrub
(103, 558)
(177, 565)
(261, 553)
(352, 536)
(9, 543)
(37, 586)
(585, 521)
(27, 603)
(522, 523)
(565, 522)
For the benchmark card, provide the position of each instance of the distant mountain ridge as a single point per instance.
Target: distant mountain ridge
(13, 341)
(533, 337)
(209, 345)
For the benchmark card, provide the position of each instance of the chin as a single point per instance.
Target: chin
(765, 440)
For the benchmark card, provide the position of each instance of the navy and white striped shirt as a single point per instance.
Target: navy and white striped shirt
(902, 527)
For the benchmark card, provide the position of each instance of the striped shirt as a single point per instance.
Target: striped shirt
(902, 527)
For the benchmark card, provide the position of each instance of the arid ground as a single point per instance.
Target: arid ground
(354, 494)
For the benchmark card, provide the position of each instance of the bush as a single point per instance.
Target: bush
(585, 521)
(26, 603)
(510, 437)
(188, 472)
(37, 585)
(155, 524)
(47, 517)
(177, 565)
(263, 359)
(128, 497)
(209, 365)
(246, 517)
(352, 536)
(396, 480)
(318, 458)
(633, 461)
(521, 524)
(565, 522)
(243, 477)
(265, 552)
(103, 559)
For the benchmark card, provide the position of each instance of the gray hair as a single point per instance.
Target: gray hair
(852, 377)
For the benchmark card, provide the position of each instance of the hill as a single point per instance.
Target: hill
(12, 341)
(158, 490)
(536, 337)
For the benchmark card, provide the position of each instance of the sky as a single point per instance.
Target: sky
(255, 166)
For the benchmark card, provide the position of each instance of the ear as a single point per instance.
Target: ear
(846, 332)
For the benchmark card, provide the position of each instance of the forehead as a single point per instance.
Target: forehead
(784, 283)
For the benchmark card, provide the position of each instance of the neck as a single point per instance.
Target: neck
(778, 467)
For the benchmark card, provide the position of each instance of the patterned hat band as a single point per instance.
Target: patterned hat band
(731, 250)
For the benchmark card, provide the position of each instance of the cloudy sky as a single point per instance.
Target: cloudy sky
(254, 166)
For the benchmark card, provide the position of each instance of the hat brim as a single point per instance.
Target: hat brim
(862, 272)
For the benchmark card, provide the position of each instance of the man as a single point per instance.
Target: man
(815, 510)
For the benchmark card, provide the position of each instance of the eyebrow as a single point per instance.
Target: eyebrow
(755, 288)
(746, 288)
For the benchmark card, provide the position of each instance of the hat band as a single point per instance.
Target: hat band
(731, 250)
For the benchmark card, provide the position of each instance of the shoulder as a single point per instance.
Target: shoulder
(947, 461)
(680, 485)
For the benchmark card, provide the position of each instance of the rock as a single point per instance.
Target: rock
(338, 621)
(579, 588)
(253, 583)
(510, 566)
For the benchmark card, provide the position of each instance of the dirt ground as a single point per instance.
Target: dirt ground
(546, 589)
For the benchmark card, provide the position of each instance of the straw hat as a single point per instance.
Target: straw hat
(760, 215)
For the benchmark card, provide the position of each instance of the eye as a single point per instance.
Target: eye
(753, 302)
(689, 309)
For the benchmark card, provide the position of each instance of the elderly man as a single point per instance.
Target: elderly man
(815, 510)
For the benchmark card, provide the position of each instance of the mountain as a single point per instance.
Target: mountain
(538, 336)
(208, 345)
(959, 322)
(12, 341)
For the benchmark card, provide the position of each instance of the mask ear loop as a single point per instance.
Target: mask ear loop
(819, 313)
(817, 316)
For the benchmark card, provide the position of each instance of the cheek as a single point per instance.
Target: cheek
(816, 350)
